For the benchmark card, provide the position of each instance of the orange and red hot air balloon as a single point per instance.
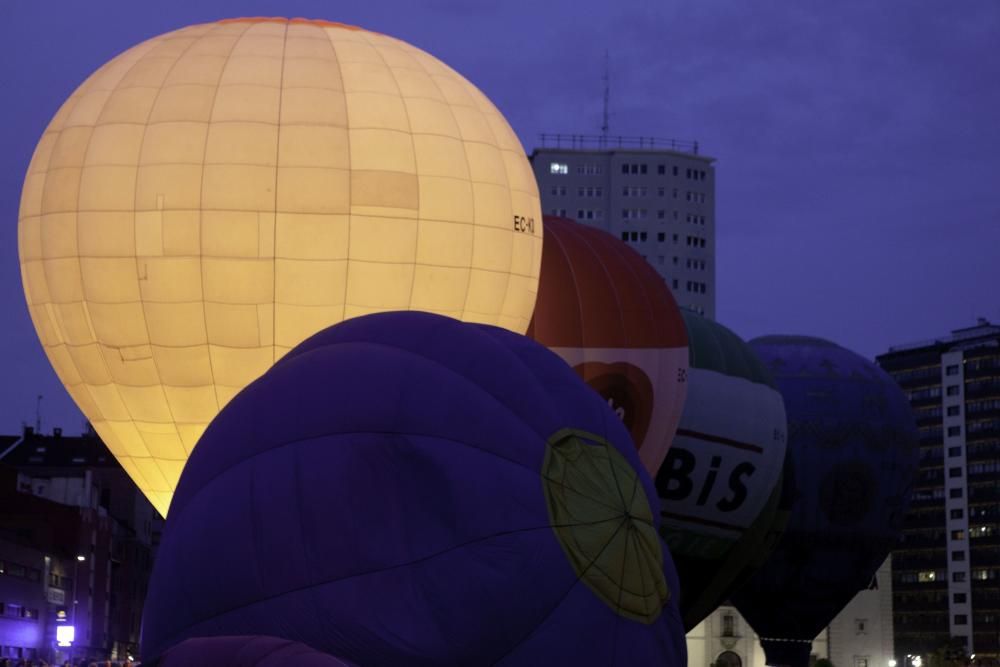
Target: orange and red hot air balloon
(610, 316)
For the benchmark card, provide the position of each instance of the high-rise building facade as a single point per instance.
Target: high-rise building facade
(946, 574)
(657, 195)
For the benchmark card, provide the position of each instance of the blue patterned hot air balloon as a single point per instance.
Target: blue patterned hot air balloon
(406, 489)
(853, 450)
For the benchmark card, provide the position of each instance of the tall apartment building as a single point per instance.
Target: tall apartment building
(657, 195)
(946, 574)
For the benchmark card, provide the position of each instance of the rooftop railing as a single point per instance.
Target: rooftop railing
(602, 142)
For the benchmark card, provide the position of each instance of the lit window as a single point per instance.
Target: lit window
(924, 577)
(558, 168)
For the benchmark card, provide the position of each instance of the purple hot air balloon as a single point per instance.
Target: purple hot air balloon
(253, 651)
(406, 489)
(852, 447)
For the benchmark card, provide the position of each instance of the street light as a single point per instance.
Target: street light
(892, 662)
(76, 577)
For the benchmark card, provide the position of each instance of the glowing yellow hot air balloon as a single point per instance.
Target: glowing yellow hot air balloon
(213, 196)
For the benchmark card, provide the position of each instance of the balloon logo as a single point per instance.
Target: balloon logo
(213, 196)
(627, 389)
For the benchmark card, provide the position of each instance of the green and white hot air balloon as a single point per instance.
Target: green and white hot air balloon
(721, 485)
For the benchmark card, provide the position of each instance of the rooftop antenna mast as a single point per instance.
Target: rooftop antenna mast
(38, 415)
(605, 124)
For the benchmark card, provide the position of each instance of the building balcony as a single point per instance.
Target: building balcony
(910, 624)
(984, 493)
(920, 542)
(924, 520)
(931, 559)
(982, 389)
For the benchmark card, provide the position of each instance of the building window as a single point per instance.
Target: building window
(958, 534)
(954, 430)
(952, 390)
(661, 215)
(860, 626)
(954, 451)
(675, 283)
(958, 577)
(728, 625)
(957, 514)
(624, 236)
(958, 555)
(661, 191)
(661, 169)
(926, 577)
(955, 493)
(958, 598)
(951, 370)
(981, 574)
(642, 236)
(675, 238)
(661, 237)
(674, 170)
(860, 661)
(961, 619)
(560, 168)
(954, 472)
(954, 410)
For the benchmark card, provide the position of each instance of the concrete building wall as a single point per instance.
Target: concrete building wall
(861, 634)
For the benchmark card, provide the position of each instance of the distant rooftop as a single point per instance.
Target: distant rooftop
(982, 329)
(55, 451)
(602, 143)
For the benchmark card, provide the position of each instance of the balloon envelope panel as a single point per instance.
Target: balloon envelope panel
(852, 443)
(246, 651)
(213, 196)
(603, 309)
(721, 484)
(404, 488)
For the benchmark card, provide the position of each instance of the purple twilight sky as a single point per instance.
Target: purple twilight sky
(858, 143)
